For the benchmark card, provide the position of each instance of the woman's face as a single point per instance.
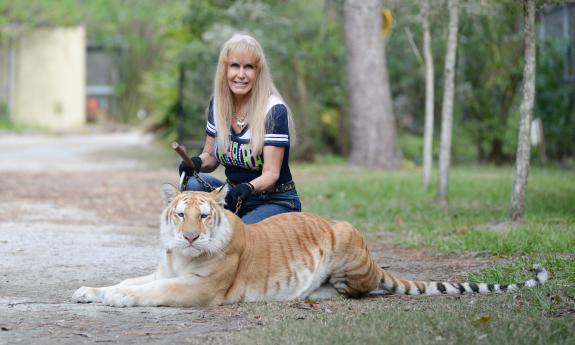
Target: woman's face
(241, 72)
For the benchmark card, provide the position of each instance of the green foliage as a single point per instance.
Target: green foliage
(489, 77)
(555, 100)
(304, 49)
(411, 147)
(138, 31)
(17, 16)
(490, 47)
(5, 122)
(167, 52)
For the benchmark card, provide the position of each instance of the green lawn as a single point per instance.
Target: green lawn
(396, 202)
(478, 196)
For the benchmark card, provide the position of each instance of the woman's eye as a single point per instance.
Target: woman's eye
(249, 66)
(234, 65)
(203, 216)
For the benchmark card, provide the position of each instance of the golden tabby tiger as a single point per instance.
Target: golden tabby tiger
(212, 258)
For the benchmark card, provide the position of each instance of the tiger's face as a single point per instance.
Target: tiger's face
(194, 223)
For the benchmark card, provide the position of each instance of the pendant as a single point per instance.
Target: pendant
(241, 123)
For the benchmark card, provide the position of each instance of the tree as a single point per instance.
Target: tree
(487, 61)
(447, 105)
(517, 207)
(429, 95)
(373, 130)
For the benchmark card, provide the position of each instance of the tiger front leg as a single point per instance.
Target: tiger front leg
(87, 294)
(175, 292)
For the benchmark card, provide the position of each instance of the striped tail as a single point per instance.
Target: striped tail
(394, 285)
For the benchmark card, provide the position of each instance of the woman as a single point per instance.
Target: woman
(249, 131)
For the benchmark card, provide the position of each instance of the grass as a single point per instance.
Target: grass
(479, 196)
(554, 299)
(496, 319)
(396, 202)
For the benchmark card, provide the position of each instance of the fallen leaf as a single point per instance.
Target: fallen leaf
(482, 320)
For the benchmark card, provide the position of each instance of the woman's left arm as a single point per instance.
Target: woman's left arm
(273, 158)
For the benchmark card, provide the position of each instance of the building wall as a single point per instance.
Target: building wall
(49, 83)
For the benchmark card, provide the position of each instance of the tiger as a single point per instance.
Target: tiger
(210, 257)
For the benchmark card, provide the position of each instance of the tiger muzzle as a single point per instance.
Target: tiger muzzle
(191, 236)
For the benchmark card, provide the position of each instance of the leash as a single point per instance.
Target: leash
(181, 151)
(184, 181)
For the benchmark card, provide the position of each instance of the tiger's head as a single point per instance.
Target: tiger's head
(194, 223)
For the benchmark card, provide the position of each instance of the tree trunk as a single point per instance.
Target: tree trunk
(447, 106)
(517, 207)
(373, 129)
(429, 96)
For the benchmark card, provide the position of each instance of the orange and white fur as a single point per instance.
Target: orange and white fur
(211, 257)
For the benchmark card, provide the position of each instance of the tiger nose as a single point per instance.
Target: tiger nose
(191, 237)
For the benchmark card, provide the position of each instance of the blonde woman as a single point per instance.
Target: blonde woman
(249, 132)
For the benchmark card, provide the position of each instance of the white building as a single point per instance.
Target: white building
(43, 78)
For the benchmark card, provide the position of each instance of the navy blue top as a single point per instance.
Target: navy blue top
(241, 165)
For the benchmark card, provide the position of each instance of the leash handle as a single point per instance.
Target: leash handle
(181, 151)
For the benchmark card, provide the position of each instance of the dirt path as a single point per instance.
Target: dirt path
(72, 215)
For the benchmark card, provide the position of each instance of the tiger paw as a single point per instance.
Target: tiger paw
(120, 299)
(86, 294)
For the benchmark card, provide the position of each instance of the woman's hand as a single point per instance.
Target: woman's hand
(238, 196)
(191, 170)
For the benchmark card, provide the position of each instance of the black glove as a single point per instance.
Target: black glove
(240, 193)
(189, 170)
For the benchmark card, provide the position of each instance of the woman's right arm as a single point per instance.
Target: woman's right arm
(209, 161)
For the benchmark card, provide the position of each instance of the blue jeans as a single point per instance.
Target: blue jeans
(259, 206)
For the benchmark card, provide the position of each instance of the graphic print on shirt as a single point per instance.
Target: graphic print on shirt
(240, 155)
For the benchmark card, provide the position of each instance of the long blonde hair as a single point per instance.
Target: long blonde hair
(262, 89)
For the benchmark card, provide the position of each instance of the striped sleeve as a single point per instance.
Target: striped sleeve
(277, 130)
(211, 124)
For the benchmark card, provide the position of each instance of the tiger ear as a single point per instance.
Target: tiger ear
(219, 194)
(168, 192)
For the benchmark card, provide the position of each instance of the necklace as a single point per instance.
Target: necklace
(241, 122)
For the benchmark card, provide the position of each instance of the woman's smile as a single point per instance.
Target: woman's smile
(241, 72)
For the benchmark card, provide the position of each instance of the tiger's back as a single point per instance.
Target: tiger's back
(290, 256)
